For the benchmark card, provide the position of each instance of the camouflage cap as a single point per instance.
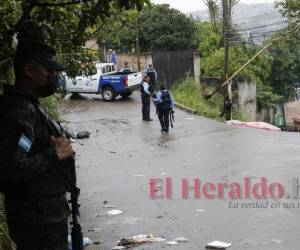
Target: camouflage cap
(40, 52)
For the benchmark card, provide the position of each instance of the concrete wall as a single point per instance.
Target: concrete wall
(266, 115)
(197, 71)
(247, 99)
(133, 60)
(171, 66)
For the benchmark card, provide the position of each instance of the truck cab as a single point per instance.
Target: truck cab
(105, 81)
(89, 83)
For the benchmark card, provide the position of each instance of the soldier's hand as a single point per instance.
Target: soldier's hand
(63, 147)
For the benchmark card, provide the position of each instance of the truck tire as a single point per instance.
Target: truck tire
(108, 94)
(126, 95)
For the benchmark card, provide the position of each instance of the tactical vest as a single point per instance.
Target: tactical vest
(151, 74)
(166, 99)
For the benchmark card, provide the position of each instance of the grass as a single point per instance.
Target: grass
(52, 105)
(5, 242)
(190, 95)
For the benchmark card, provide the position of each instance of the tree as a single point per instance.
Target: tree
(214, 12)
(258, 71)
(285, 66)
(291, 10)
(65, 24)
(160, 28)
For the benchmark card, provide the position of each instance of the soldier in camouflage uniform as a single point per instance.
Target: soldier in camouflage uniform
(33, 173)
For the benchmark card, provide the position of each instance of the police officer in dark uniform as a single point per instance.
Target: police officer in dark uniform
(164, 104)
(145, 95)
(151, 72)
(227, 108)
(33, 173)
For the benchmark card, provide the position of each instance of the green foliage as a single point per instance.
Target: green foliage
(291, 10)
(46, 20)
(160, 28)
(5, 242)
(52, 105)
(266, 96)
(213, 65)
(209, 41)
(285, 69)
(188, 94)
(262, 70)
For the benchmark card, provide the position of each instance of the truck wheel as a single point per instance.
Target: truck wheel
(108, 94)
(125, 95)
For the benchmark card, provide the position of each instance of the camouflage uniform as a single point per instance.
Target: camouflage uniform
(32, 178)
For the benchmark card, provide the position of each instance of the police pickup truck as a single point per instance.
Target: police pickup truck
(106, 81)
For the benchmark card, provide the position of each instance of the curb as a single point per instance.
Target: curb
(186, 109)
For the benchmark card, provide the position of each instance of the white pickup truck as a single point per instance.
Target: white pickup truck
(106, 81)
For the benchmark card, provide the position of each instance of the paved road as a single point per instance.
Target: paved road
(116, 163)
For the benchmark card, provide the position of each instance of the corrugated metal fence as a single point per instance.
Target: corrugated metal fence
(172, 66)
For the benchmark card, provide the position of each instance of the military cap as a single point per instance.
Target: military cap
(40, 52)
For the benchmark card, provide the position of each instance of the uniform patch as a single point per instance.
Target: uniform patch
(25, 143)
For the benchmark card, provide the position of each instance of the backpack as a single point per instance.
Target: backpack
(151, 74)
(166, 98)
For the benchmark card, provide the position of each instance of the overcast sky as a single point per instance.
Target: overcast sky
(194, 5)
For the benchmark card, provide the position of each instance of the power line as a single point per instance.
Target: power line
(262, 26)
(255, 17)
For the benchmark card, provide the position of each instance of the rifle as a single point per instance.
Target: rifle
(172, 119)
(76, 233)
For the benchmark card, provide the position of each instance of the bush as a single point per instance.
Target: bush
(52, 105)
(188, 94)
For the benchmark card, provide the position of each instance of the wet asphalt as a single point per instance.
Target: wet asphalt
(115, 165)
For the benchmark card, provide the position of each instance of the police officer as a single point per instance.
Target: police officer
(32, 169)
(126, 68)
(227, 108)
(151, 72)
(165, 104)
(145, 95)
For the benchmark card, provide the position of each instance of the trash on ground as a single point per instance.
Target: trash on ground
(96, 230)
(181, 239)
(277, 241)
(83, 134)
(119, 247)
(108, 206)
(114, 212)
(139, 240)
(218, 245)
(86, 242)
(258, 125)
(173, 242)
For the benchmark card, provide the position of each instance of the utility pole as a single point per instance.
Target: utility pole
(226, 32)
(225, 36)
(137, 44)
